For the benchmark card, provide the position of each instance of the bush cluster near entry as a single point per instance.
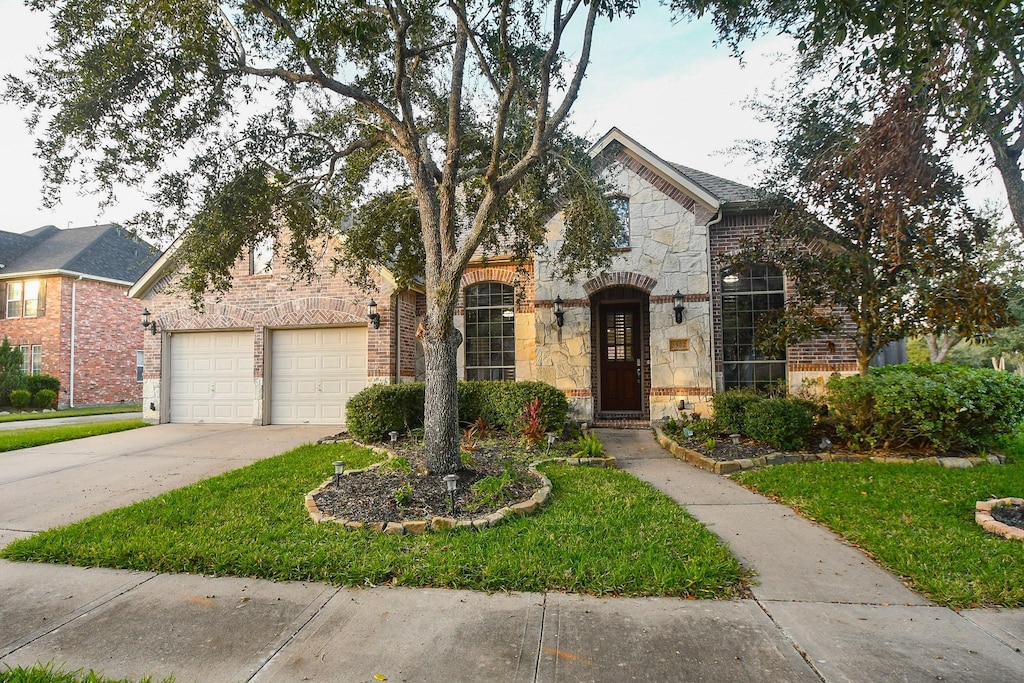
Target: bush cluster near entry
(781, 422)
(933, 407)
(377, 410)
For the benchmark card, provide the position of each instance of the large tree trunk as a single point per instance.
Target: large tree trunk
(1007, 163)
(441, 342)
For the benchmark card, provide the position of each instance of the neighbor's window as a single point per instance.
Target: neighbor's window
(25, 299)
(620, 205)
(31, 359)
(746, 296)
(490, 331)
(140, 365)
(261, 257)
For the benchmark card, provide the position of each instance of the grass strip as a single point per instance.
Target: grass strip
(917, 520)
(72, 412)
(604, 532)
(40, 436)
(47, 673)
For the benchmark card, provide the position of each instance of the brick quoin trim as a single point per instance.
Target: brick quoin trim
(578, 393)
(606, 280)
(682, 391)
(823, 367)
(670, 299)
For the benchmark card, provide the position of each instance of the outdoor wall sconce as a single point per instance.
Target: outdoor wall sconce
(677, 306)
(373, 315)
(451, 482)
(339, 469)
(147, 323)
(559, 311)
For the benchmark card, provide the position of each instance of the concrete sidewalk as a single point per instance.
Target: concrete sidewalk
(55, 421)
(822, 611)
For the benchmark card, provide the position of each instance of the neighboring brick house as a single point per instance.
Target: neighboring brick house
(660, 331)
(63, 301)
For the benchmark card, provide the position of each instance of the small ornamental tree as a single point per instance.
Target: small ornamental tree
(421, 133)
(871, 224)
(11, 373)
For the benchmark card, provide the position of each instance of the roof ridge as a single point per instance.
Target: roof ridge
(83, 252)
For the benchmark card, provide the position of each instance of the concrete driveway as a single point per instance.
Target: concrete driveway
(51, 485)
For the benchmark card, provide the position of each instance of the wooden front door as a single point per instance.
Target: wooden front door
(621, 362)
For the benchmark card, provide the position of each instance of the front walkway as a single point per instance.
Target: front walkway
(853, 620)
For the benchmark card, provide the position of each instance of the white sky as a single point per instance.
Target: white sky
(665, 85)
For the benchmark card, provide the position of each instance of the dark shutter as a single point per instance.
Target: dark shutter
(3, 300)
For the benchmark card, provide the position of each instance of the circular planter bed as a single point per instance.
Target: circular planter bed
(1001, 516)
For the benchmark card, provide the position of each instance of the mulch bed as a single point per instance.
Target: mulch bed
(370, 496)
(1011, 515)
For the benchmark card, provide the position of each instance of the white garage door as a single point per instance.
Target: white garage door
(313, 373)
(211, 377)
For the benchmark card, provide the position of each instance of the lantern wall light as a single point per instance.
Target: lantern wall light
(147, 323)
(373, 315)
(559, 311)
(677, 306)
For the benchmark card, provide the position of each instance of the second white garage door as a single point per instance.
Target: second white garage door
(313, 373)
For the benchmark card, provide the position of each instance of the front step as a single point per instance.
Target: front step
(624, 423)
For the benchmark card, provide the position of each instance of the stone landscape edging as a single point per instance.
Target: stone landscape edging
(525, 507)
(983, 516)
(728, 466)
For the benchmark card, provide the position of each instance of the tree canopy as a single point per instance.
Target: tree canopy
(963, 56)
(872, 224)
(422, 131)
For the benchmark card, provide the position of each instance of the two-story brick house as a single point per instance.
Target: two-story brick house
(63, 301)
(660, 331)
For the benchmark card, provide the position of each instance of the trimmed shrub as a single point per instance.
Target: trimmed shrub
(20, 399)
(10, 370)
(377, 410)
(782, 422)
(931, 407)
(731, 406)
(44, 398)
(36, 383)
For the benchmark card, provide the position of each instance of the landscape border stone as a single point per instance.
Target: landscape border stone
(781, 458)
(983, 516)
(529, 506)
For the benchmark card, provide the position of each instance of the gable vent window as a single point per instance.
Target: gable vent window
(490, 331)
(620, 205)
(746, 297)
(261, 258)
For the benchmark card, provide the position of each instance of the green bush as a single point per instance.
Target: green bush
(33, 384)
(933, 407)
(44, 398)
(731, 406)
(377, 410)
(782, 422)
(11, 374)
(20, 399)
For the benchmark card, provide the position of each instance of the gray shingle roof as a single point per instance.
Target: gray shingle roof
(106, 251)
(727, 191)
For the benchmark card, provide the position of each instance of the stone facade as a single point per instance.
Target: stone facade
(101, 323)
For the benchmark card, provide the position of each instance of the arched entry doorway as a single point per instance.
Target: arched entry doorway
(621, 370)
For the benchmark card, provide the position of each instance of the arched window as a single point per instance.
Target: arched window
(490, 331)
(746, 296)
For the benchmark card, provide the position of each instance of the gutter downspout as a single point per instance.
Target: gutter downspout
(711, 296)
(71, 388)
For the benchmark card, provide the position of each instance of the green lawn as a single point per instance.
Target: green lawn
(917, 520)
(604, 532)
(38, 436)
(71, 412)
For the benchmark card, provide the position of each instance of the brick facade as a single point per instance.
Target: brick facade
(106, 336)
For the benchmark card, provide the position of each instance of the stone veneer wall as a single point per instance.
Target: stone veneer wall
(811, 361)
(107, 336)
(668, 251)
(277, 300)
